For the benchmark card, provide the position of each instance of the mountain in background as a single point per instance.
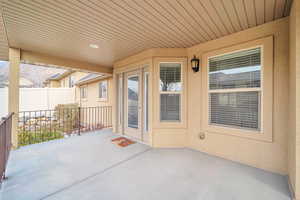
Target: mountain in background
(34, 73)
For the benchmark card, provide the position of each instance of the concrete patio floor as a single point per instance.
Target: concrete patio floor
(91, 167)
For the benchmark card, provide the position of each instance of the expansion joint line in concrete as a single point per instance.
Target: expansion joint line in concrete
(95, 174)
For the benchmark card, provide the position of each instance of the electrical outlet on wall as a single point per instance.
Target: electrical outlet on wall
(201, 136)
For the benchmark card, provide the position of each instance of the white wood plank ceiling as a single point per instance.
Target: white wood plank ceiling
(121, 28)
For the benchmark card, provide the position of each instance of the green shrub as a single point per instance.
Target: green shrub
(33, 137)
(67, 116)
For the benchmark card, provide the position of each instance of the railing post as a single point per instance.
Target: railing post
(79, 120)
(5, 143)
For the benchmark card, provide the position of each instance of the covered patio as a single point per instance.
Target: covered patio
(91, 167)
(209, 89)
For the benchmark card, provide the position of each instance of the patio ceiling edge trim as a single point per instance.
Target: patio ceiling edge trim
(149, 53)
(43, 59)
(93, 80)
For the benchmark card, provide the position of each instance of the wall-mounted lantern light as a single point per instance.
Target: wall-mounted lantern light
(195, 64)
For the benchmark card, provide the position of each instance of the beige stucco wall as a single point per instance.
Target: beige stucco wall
(267, 155)
(270, 154)
(170, 134)
(64, 82)
(92, 99)
(294, 98)
(292, 102)
(297, 13)
(160, 134)
(53, 84)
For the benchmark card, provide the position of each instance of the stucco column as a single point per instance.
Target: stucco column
(13, 91)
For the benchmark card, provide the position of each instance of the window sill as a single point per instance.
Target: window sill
(102, 100)
(170, 125)
(243, 133)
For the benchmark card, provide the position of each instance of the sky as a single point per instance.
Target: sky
(3, 63)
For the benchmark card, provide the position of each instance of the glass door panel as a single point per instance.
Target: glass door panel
(132, 104)
(133, 101)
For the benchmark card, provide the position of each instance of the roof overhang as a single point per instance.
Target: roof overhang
(61, 32)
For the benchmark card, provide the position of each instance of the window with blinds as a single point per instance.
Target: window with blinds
(103, 90)
(71, 81)
(83, 92)
(235, 89)
(170, 91)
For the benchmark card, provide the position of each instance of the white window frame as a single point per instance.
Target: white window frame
(120, 99)
(71, 81)
(146, 120)
(171, 92)
(100, 88)
(86, 92)
(266, 126)
(235, 90)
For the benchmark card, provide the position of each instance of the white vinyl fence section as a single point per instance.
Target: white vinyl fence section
(32, 99)
(3, 102)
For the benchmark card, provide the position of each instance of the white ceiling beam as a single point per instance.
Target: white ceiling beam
(43, 59)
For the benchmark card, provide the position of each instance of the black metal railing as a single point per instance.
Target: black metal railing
(5, 143)
(44, 125)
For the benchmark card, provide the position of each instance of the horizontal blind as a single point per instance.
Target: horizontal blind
(237, 109)
(170, 107)
(238, 70)
(235, 70)
(170, 76)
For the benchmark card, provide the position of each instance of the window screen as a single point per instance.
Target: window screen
(170, 91)
(235, 89)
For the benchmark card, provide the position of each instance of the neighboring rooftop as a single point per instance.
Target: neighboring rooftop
(59, 76)
(54, 77)
(33, 73)
(90, 77)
